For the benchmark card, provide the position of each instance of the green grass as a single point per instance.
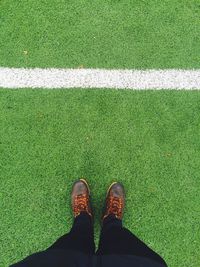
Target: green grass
(107, 34)
(147, 140)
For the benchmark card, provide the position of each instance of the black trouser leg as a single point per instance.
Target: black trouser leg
(80, 238)
(116, 239)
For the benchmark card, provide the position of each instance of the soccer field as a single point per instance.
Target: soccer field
(149, 140)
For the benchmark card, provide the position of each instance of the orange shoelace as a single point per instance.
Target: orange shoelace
(114, 206)
(81, 203)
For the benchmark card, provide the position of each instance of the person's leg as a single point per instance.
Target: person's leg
(80, 238)
(115, 239)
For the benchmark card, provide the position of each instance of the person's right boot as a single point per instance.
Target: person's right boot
(115, 201)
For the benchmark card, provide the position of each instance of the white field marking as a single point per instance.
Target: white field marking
(99, 78)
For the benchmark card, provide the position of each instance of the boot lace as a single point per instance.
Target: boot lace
(81, 204)
(115, 206)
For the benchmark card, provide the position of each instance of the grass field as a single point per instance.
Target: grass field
(149, 140)
(104, 34)
(49, 138)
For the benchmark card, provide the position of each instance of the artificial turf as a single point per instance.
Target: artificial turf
(148, 140)
(100, 33)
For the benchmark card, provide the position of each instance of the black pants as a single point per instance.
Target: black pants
(114, 239)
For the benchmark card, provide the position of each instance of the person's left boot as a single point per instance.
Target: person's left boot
(80, 198)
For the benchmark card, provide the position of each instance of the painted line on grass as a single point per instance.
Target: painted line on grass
(99, 78)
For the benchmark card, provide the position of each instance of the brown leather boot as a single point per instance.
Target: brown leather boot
(80, 198)
(115, 201)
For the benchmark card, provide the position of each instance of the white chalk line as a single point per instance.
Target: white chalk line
(53, 78)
